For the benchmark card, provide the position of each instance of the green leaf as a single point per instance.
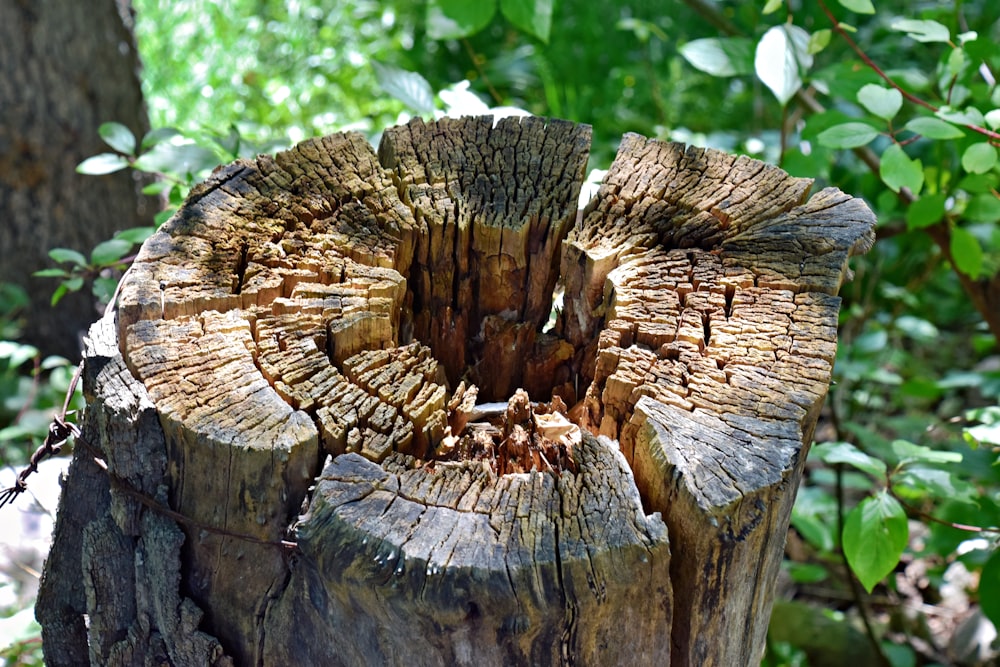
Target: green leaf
(819, 40)
(719, 56)
(992, 118)
(966, 116)
(806, 573)
(105, 163)
(159, 135)
(989, 588)
(922, 31)
(186, 160)
(917, 328)
(104, 288)
(983, 434)
(858, 6)
(909, 452)
(118, 137)
(135, 234)
(847, 135)
(109, 252)
(898, 171)
(983, 208)
(926, 211)
(979, 158)
(957, 61)
(934, 128)
(772, 6)
(51, 273)
(883, 102)
(532, 16)
(782, 58)
(454, 19)
(845, 452)
(16, 353)
(875, 534)
(157, 187)
(966, 252)
(408, 87)
(937, 483)
(60, 255)
(163, 216)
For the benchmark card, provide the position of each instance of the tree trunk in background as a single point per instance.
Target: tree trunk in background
(65, 67)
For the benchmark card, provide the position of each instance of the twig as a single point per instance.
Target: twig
(942, 522)
(482, 74)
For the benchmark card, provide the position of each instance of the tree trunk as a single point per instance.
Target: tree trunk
(65, 67)
(334, 413)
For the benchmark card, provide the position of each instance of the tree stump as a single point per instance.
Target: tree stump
(335, 421)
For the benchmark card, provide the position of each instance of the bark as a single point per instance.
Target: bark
(65, 68)
(322, 337)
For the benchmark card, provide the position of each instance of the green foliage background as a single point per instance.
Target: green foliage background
(911, 425)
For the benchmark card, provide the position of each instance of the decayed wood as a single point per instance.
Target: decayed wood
(715, 283)
(311, 350)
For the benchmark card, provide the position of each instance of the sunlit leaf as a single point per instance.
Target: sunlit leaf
(966, 116)
(966, 252)
(938, 483)
(898, 171)
(883, 102)
(957, 61)
(532, 16)
(16, 353)
(992, 118)
(926, 211)
(845, 452)
(875, 534)
(772, 6)
(105, 163)
(979, 158)
(922, 31)
(909, 452)
(782, 58)
(182, 159)
(847, 135)
(720, 56)
(917, 328)
(158, 135)
(858, 6)
(410, 88)
(934, 128)
(118, 137)
(454, 19)
(819, 40)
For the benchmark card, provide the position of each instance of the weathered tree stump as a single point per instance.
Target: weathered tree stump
(335, 421)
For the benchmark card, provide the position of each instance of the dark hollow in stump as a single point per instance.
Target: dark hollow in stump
(379, 443)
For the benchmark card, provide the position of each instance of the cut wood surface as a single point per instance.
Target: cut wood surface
(341, 372)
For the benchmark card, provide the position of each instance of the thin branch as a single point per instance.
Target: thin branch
(479, 70)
